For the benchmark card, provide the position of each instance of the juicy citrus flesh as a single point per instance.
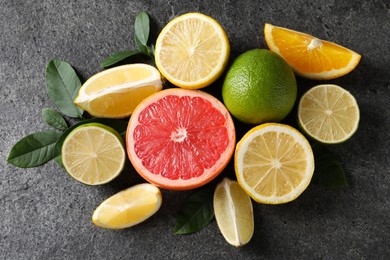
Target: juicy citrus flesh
(180, 139)
(114, 93)
(259, 87)
(192, 51)
(328, 113)
(309, 56)
(128, 207)
(274, 163)
(93, 154)
(234, 212)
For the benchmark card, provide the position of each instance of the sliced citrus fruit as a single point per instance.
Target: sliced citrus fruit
(233, 212)
(180, 139)
(114, 93)
(93, 154)
(128, 207)
(274, 163)
(328, 113)
(192, 51)
(309, 56)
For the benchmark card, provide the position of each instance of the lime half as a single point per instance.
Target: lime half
(93, 154)
(328, 113)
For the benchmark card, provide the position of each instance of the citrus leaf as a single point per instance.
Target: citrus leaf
(54, 119)
(142, 28)
(119, 125)
(117, 57)
(62, 85)
(329, 171)
(196, 213)
(142, 48)
(152, 50)
(58, 161)
(151, 54)
(34, 150)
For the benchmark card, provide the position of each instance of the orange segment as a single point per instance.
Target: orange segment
(309, 56)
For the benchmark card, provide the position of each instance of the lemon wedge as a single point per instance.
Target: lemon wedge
(234, 212)
(114, 93)
(128, 207)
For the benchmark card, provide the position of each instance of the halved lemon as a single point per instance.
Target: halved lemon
(274, 163)
(234, 212)
(128, 207)
(93, 154)
(328, 113)
(309, 56)
(114, 93)
(192, 51)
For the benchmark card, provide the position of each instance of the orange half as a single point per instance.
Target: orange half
(309, 56)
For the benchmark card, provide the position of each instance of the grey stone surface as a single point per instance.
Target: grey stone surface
(47, 215)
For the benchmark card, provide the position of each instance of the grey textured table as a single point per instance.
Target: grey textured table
(47, 215)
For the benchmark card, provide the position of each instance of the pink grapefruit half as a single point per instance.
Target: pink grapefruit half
(180, 139)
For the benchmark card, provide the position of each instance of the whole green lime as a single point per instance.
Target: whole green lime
(259, 87)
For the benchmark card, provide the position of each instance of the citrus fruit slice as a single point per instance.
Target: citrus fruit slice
(128, 207)
(274, 163)
(259, 87)
(233, 212)
(328, 113)
(114, 93)
(192, 51)
(180, 139)
(93, 154)
(309, 56)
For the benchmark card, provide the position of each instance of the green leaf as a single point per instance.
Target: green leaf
(54, 119)
(196, 213)
(62, 85)
(152, 53)
(329, 171)
(58, 161)
(142, 48)
(142, 28)
(119, 125)
(34, 150)
(152, 50)
(117, 57)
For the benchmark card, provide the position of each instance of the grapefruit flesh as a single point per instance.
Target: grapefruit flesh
(180, 139)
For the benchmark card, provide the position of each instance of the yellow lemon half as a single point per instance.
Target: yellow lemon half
(274, 163)
(192, 51)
